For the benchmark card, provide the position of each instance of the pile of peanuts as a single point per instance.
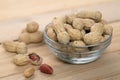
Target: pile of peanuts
(80, 29)
(28, 35)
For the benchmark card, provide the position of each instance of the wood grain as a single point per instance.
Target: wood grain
(11, 9)
(105, 68)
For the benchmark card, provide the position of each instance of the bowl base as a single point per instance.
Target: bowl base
(79, 60)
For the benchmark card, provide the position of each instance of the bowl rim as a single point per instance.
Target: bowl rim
(91, 45)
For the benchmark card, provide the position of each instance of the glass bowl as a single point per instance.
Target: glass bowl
(75, 55)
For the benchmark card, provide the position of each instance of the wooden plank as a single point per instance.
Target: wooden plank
(11, 9)
(115, 77)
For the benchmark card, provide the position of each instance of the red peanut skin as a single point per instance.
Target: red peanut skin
(46, 69)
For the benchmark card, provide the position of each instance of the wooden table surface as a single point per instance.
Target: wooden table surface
(16, 13)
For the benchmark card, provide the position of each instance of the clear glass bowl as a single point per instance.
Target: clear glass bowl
(74, 55)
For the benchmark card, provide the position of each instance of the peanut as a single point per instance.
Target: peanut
(58, 26)
(70, 18)
(75, 34)
(21, 48)
(29, 72)
(92, 38)
(67, 26)
(78, 44)
(108, 29)
(35, 37)
(88, 23)
(78, 23)
(97, 27)
(20, 59)
(46, 69)
(32, 27)
(31, 34)
(35, 59)
(10, 46)
(95, 15)
(62, 35)
(24, 37)
(51, 33)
